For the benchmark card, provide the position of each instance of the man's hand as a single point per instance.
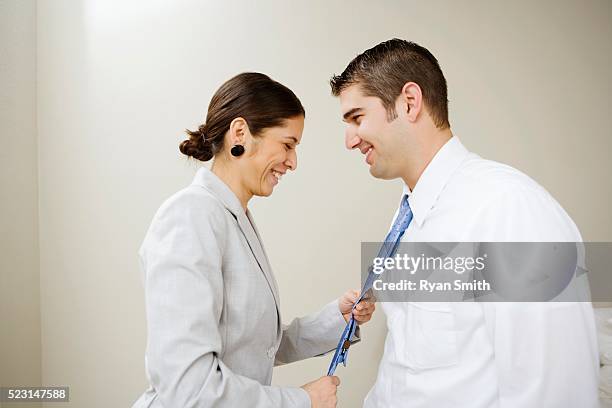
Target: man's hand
(363, 311)
(322, 392)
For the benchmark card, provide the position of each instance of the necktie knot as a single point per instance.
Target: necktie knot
(404, 216)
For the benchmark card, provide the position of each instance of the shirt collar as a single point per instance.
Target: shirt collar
(434, 178)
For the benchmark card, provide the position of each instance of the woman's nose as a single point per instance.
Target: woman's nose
(351, 140)
(291, 161)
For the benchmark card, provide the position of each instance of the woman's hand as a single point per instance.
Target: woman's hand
(363, 311)
(322, 392)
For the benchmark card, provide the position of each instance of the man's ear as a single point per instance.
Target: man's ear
(238, 130)
(411, 99)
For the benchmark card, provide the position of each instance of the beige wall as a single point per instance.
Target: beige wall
(119, 81)
(19, 275)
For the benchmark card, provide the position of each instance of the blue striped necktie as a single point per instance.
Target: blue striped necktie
(387, 250)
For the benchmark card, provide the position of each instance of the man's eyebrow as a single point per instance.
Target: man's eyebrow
(350, 113)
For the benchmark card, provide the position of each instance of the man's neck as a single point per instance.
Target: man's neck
(430, 144)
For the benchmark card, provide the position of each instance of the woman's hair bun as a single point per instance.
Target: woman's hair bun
(197, 146)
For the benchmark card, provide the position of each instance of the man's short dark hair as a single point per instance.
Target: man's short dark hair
(383, 70)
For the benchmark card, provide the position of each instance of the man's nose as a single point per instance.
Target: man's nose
(351, 140)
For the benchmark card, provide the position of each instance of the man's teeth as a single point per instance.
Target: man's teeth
(277, 175)
(369, 150)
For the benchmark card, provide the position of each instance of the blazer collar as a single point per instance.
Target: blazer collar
(207, 179)
(435, 176)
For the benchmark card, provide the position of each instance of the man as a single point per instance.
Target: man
(474, 354)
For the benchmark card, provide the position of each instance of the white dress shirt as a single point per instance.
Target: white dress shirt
(507, 355)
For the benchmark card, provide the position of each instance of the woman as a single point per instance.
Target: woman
(214, 328)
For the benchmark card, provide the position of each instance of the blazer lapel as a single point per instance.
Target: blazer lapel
(267, 268)
(247, 225)
(207, 179)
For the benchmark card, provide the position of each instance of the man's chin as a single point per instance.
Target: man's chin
(379, 173)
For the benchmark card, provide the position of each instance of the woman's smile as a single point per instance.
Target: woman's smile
(275, 176)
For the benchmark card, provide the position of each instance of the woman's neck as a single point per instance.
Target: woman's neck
(231, 178)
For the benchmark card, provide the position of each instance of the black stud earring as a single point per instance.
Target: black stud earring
(237, 150)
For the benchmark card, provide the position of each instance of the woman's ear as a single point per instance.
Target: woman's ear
(238, 132)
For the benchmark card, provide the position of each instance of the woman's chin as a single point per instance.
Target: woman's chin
(267, 186)
(265, 190)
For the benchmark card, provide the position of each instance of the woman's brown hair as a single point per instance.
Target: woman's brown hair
(259, 100)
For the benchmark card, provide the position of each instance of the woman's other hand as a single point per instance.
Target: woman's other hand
(322, 392)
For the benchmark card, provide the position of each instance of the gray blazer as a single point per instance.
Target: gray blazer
(212, 305)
